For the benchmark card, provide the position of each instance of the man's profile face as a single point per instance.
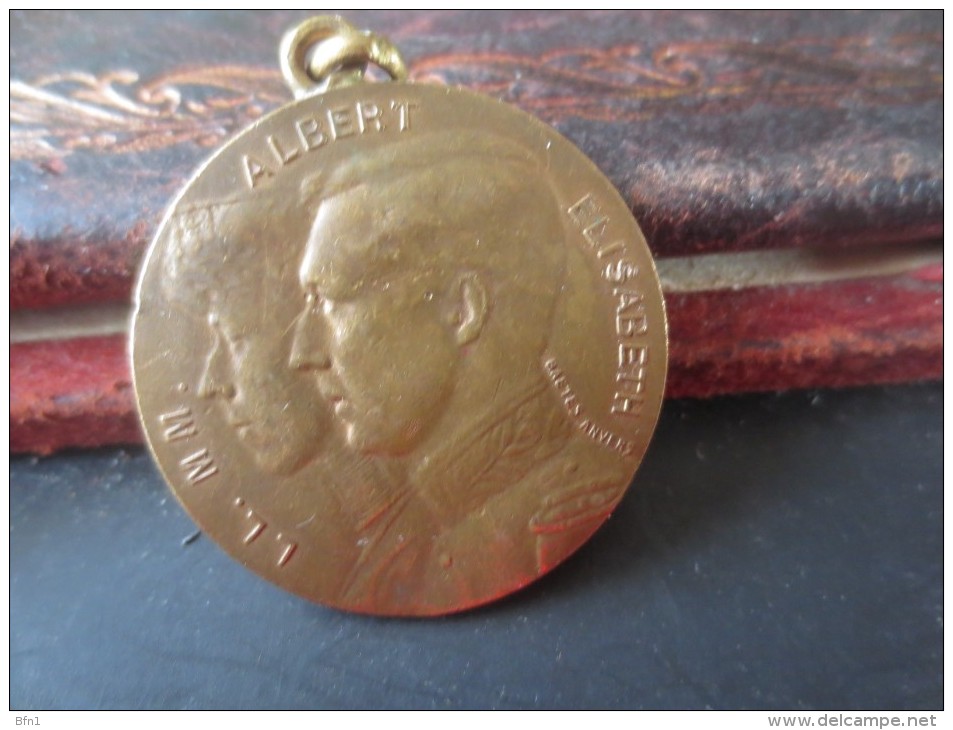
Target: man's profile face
(275, 413)
(374, 327)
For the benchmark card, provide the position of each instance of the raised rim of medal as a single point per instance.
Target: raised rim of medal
(326, 101)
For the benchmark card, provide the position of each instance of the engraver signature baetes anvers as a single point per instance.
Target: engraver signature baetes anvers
(406, 345)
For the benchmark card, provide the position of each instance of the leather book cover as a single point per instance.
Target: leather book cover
(785, 167)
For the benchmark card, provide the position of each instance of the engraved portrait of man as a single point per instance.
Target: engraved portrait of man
(431, 276)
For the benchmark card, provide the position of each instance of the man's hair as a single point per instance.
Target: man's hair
(462, 202)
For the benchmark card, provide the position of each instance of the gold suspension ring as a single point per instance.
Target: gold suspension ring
(327, 52)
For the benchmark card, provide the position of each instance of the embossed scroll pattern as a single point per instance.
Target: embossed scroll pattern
(117, 112)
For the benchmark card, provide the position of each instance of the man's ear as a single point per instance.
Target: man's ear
(470, 308)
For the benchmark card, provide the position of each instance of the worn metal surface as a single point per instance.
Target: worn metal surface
(399, 348)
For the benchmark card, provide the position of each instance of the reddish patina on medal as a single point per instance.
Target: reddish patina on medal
(398, 348)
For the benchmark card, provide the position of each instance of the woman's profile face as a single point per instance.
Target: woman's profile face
(276, 414)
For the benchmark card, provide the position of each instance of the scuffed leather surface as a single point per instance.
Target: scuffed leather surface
(722, 130)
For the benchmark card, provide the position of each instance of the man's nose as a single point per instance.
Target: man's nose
(216, 376)
(309, 349)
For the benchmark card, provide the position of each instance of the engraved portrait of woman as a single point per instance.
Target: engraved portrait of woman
(221, 267)
(231, 275)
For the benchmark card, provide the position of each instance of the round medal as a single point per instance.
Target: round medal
(397, 348)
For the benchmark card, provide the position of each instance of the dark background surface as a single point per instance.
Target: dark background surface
(776, 552)
(721, 130)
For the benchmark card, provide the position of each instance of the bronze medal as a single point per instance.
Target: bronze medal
(397, 348)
